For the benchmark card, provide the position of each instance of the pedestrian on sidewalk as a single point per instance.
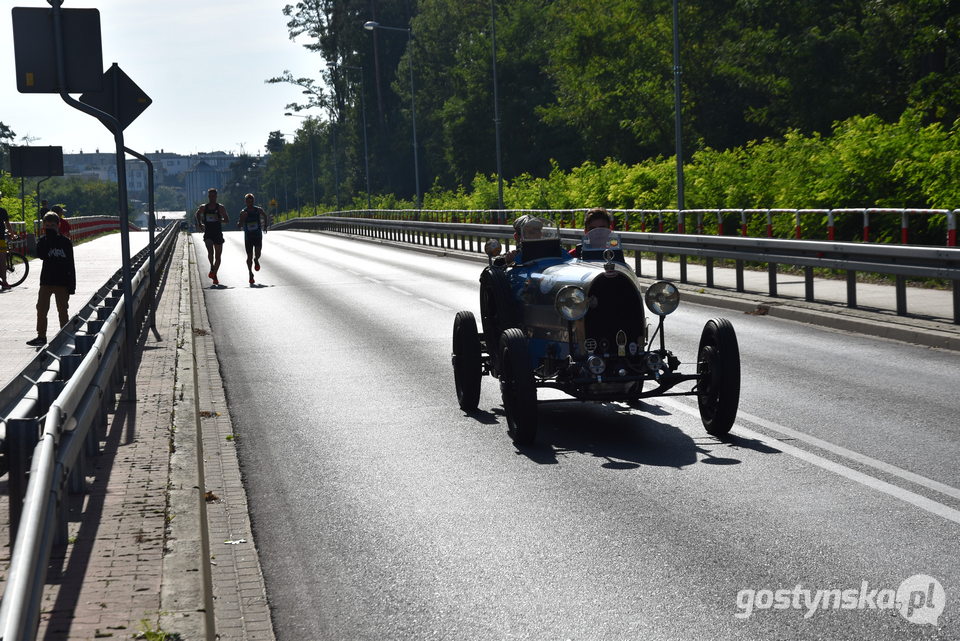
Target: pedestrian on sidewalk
(6, 233)
(210, 219)
(58, 278)
(254, 222)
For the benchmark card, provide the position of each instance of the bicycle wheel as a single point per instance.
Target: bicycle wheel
(17, 269)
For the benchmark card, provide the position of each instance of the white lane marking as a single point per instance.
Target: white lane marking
(907, 475)
(436, 305)
(399, 291)
(895, 491)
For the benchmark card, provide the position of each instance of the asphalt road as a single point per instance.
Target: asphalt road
(382, 511)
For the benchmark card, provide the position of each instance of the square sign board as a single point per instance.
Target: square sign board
(35, 54)
(29, 162)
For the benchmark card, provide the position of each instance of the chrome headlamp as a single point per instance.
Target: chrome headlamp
(572, 303)
(662, 298)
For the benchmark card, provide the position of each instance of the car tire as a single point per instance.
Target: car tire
(498, 311)
(718, 368)
(517, 387)
(467, 361)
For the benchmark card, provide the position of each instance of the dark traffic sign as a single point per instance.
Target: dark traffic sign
(120, 97)
(35, 55)
(36, 161)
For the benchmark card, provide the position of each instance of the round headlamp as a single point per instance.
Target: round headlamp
(572, 303)
(492, 248)
(662, 298)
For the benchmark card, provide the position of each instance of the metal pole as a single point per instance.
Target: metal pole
(496, 104)
(152, 229)
(117, 130)
(413, 118)
(313, 176)
(676, 103)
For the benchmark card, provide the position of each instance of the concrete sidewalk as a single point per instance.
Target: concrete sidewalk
(161, 542)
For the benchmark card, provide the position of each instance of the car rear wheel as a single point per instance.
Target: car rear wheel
(517, 387)
(718, 367)
(498, 310)
(467, 361)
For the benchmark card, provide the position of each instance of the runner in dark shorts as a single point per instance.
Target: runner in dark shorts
(254, 222)
(210, 220)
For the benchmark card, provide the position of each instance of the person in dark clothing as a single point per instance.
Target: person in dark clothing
(254, 222)
(58, 278)
(598, 217)
(210, 220)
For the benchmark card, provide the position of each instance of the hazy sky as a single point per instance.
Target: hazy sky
(202, 62)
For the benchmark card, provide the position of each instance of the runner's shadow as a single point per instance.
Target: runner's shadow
(259, 286)
(220, 287)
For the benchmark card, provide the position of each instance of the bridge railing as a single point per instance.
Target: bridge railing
(900, 261)
(51, 414)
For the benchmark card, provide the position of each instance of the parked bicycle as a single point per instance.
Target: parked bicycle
(17, 264)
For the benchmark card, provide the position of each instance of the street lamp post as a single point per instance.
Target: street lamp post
(676, 103)
(496, 104)
(313, 174)
(677, 125)
(370, 26)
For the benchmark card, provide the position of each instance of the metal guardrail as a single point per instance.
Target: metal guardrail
(50, 411)
(900, 261)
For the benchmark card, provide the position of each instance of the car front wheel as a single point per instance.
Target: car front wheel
(718, 367)
(517, 387)
(467, 361)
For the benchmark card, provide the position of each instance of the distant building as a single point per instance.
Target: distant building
(198, 180)
(190, 175)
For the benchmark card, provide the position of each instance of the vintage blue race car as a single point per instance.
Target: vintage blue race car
(577, 324)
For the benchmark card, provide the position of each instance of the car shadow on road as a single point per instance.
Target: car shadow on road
(610, 432)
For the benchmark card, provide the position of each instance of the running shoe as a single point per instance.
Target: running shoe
(4, 287)
(256, 264)
(38, 341)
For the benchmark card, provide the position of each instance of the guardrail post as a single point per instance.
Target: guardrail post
(901, 287)
(904, 228)
(851, 289)
(956, 302)
(47, 393)
(772, 279)
(808, 283)
(797, 228)
(831, 226)
(709, 271)
(952, 228)
(69, 365)
(866, 226)
(21, 439)
(83, 343)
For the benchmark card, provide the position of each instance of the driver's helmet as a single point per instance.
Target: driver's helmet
(601, 238)
(529, 227)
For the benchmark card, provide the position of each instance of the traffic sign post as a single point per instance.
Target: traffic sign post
(77, 36)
